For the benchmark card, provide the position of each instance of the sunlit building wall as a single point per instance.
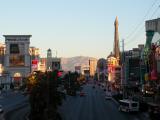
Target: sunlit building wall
(2, 54)
(34, 52)
(35, 57)
(17, 58)
(112, 64)
(92, 66)
(42, 65)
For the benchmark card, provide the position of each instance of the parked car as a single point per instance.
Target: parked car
(1, 109)
(127, 105)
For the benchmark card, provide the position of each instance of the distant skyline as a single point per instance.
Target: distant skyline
(77, 27)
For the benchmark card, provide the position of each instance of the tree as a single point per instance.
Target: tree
(71, 83)
(44, 97)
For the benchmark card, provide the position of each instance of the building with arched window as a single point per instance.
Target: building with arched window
(17, 60)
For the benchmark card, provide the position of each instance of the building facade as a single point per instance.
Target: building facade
(101, 70)
(153, 25)
(53, 63)
(92, 66)
(42, 64)
(35, 58)
(112, 64)
(17, 58)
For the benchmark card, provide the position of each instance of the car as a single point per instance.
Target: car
(108, 96)
(82, 94)
(1, 109)
(127, 105)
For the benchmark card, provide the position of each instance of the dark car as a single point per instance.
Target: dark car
(82, 94)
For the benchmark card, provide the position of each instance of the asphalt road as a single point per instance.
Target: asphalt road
(20, 113)
(12, 101)
(93, 106)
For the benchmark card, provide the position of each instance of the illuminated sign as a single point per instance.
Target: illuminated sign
(34, 64)
(16, 60)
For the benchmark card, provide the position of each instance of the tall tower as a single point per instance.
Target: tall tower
(116, 51)
(49, 53)
(49, 59)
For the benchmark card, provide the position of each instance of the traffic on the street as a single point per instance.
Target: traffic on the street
(94, 106)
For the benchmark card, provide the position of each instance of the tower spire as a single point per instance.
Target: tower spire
(116, 51)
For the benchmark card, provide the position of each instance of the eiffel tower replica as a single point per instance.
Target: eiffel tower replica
(116, 54)
(116, 50)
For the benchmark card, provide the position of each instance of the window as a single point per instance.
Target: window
(124, 104)
(14, 49)
(134, 104)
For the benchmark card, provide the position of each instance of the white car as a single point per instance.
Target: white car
(1, 109)
(127, 105)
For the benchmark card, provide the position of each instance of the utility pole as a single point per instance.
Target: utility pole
(123, 70)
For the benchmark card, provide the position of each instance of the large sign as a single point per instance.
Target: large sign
(16, 60)
(34, 65)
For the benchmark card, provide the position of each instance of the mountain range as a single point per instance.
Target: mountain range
(68, 64)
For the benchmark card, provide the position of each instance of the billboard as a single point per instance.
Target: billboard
(34, 65)
(16, 60)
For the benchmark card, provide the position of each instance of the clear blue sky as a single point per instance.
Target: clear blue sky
(76, 27)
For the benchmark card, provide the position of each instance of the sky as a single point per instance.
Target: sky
(77, 27)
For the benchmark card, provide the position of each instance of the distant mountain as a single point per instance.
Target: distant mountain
(68, 64)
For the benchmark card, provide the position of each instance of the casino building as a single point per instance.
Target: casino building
(17, 60)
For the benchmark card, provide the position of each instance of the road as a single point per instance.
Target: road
(12, 101)
(93, 106)
(19, 113)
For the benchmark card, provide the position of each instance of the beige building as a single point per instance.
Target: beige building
(2, 53)
(112, 64)
(17, 58)
(35, 58)
(33, 51)
(42, 64)
(92, 66)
